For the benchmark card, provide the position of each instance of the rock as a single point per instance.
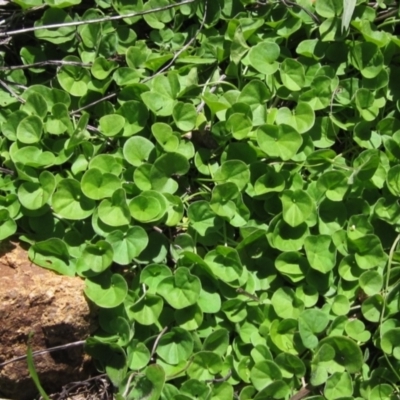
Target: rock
(55, 309)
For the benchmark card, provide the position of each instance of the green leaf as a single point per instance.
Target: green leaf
(329, 8)
(29, 130)
(185, 116)
(333, 184)
(157, 20)
(62, 3)
(223, 200)
(106, 290)
(393, 180)
(57, 36)
(167, 165)
(347, 353)
(297, 206)
(128, 245)
(35, 105)
(148, 207)
(180, 290)
(366, 164)
(390, 342)
(201, 217)
(280, 141)
(271, 181)
(11, 204)
(217, 342)
(102, 68)
(371, 282)
(292, 74)
(189, 318)
(348, 10)
(255, 93)
(339, 385)
(175, 346)
(106, 163)
(286, 238)
(286, 304)
(136, 115)
(290, 365)
(321, 253)
(233, 171)
(97, 185)
(147, 309)
(368, 251)
(372, 308)
(138, 355)
(263, 373)
(96, 257)
(275, 389)
(73, 79)
(301, 118)
(367, 58)
(225, 263)
(52, 254)
(340, 305)
(137, 150)
(205, 365)
(292, 265)
(239, 125)
(356, 330)
(34, 195)
(175, 210)
(115, 211)
(69, 201)
(153, 274)
(312, 322)
(111, 124)
(263, 57)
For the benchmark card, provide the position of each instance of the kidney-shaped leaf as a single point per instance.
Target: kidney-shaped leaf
(97, 185)
(30, 129)
(390, 342)
(185, 116)
(95, 257)
(263, 57)
(225, 263)
(167, 165)
(175, 346)
(281, 141)
(52, 254)
(205, 365)
(69, 202)
(115, 211)
(34, 195)
(137, 150)
(128, 245)
(263, 373)
(312, 321)
(347, 353)
(153, 274)
(180, 290)
(235, 171)
(147, 309)
(321, 252)
(8, 226)
(106, 290)
(297, 206)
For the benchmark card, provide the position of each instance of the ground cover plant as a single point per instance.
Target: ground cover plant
(225, 176)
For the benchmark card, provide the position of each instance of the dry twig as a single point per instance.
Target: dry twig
(94, 21)
(44, 63)
(49, 350)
